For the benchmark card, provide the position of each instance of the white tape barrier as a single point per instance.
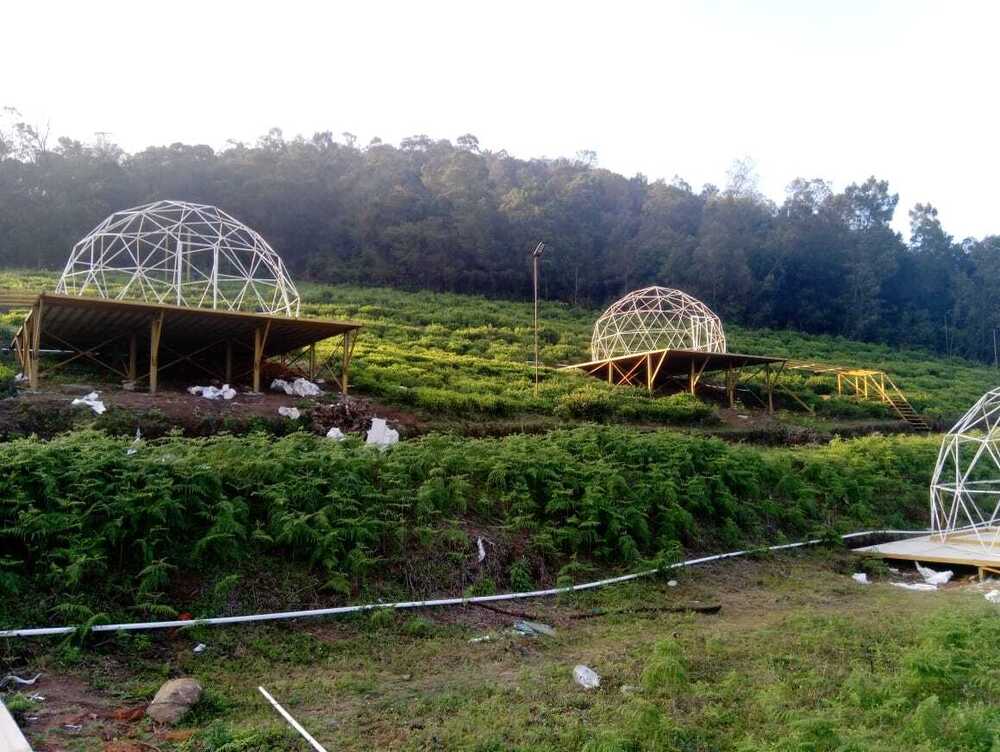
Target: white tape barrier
(339, 610)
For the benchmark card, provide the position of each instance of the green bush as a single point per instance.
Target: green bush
(85, 521)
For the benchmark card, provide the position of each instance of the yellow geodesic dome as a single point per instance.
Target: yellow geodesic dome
(656, 318)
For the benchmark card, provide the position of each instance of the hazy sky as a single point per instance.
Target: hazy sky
(839, 90)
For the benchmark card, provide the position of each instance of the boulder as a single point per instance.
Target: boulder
(173, 700)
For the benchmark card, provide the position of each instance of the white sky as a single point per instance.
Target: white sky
(840, 90)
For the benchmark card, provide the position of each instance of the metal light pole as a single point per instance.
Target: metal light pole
(535, 255)
(996, 361)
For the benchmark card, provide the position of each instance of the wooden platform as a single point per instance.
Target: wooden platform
(116, 334)
(960, 549)
(652, 369)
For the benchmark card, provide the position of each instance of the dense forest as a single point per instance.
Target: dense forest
(437, 215)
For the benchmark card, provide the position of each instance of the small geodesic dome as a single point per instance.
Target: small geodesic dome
(183, 254)
(965, 489)
(656, 318)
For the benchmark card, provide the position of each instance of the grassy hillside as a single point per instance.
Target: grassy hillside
(445, 353)
(799, 658)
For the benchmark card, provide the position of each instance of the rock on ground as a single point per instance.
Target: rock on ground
(173, 700)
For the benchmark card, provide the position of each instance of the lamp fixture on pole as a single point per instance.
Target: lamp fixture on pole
(535, 255)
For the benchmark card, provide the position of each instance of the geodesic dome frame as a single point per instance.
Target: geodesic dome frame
(965, 487)
(184, 254)
(656, 318)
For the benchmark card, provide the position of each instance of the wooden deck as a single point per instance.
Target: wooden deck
(960, 549)
(652, 369)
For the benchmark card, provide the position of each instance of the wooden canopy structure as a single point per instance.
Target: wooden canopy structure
(654, 368)
(140, 340)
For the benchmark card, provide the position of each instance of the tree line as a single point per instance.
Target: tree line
(437, 215)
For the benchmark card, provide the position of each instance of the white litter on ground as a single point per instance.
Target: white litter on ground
(915, 586)
(20, 377)
(934, 578)
(200, 648)
(993, 596)
(534, 629)
(336, 434)
(289, 412)
(212, 392)
(860, 577)
(92, 400)
(671, 583)
(134, 446)
(482, 550)
(300, 387)
(381, 435)
(586, 677)
(13, 679)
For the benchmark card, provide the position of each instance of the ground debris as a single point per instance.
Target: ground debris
(534, 628)
(586, 677)
(349, 414)
(696, 608)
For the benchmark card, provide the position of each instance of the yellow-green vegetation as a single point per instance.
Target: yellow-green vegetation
(447, 354)
(799, 658)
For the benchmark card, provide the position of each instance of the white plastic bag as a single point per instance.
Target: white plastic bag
(336, 434)
(860, 577)
(213, 393)
(289, 412)
(92, 400)
(586, 677)
(932, 577)
(381, 435)
(300, 387)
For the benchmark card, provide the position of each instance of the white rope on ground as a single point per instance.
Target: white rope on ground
(292, 722)
(338, 610)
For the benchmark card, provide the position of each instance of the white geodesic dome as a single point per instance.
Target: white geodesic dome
(965, 489)
(656, 318)
(183, 254)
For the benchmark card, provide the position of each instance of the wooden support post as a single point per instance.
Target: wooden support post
(36, 344)
(312, 362)
(229, 361)
(345, 371)
(259, 343)
(840, 389)
(133, 356)
(258, 356)
(770, 389)
(649, 373)
(610, 379)
(155, 330)
(691, 379)
(731, 386)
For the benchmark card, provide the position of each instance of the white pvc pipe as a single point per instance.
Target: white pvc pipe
(338, 610)
(292, 722)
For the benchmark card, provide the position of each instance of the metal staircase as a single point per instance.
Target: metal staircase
(868, 384)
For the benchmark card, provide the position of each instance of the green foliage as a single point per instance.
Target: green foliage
(666, 671)
(81, 519)
(435, 215)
